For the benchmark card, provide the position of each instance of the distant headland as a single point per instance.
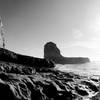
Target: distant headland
(52, 53)
(52, 56)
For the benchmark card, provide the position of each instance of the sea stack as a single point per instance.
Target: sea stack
(52, 53)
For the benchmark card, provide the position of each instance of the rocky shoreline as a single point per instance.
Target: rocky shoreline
(18, 82)
(38, 80)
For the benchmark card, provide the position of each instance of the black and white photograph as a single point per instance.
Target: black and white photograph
(49, 49)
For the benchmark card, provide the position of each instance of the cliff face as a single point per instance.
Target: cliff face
(9, 56)
(51, 52)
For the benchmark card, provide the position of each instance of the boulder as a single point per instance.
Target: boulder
(52, 53)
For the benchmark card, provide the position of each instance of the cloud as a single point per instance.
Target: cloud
(91, 44)
(87, 40)
(77, 34)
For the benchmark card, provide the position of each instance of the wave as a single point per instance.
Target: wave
(92, 68)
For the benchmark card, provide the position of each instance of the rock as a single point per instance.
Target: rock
(9, 56)
(52, 53)
(5, 92)
(51, 85)
(29, 78)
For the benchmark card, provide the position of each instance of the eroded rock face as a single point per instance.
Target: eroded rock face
(45, 85)
(51, 50)
(9, 56)
(52, 53)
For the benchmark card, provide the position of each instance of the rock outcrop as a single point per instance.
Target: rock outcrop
(18, 82)
(9, 56)
(52, 53)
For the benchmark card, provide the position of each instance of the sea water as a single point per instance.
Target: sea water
(91, 68)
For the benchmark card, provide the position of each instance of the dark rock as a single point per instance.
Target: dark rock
(9, 56)
(81, 91)
(52, 53)
(53, 85)
(90, 86)
(29, 78)
(6, 93)
(50, 85)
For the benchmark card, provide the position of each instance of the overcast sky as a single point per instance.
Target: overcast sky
(74, 25)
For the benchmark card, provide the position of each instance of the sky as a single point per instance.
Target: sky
(74, 25)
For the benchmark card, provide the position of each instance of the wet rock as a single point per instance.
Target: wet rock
(90, 86)
(6, 93)
(81, 92)
(45, 85)
(28, 78)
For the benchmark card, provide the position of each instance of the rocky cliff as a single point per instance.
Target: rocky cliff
(9, 56)
(22, 81)
(52, 53)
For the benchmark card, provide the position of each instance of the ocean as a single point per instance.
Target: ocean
(91, 68)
